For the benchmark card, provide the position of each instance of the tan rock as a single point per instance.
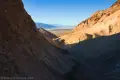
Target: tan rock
(102, 23)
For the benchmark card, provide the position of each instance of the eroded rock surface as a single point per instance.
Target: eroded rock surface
(24, 52)
(102, 23)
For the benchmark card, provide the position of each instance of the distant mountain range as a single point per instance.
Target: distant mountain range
(45, 26)
(52, 26)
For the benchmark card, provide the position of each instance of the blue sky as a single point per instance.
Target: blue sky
(64, 12)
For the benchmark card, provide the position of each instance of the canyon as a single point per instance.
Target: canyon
(26, 51)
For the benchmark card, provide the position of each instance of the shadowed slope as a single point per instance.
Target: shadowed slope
(23, 49)
(100, 57)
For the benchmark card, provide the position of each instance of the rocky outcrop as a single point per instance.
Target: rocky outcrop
(102, 23)
(52, 38)
(98, 16)
(96, 44)
(48, 35)
(90, 21)
(24, 52)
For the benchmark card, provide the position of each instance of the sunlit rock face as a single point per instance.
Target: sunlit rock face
(102, 23)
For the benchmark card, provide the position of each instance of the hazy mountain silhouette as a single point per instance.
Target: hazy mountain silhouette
(52, 26)
(45, 26)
